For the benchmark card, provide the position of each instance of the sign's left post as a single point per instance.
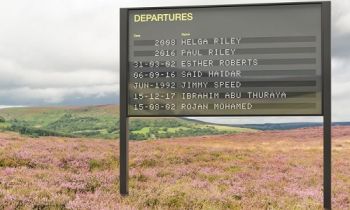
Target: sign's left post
(123, 120)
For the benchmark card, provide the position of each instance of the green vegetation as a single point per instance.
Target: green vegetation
(100, 122)
(3, 124)
(91, 121)
(141, 129)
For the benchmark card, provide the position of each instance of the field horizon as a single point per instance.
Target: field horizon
(249, 170)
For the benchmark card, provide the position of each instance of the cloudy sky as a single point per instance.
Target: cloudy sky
(60, 52)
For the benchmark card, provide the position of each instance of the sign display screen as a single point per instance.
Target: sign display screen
(211, 61)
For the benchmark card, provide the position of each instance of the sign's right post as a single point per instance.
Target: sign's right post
(327, 119)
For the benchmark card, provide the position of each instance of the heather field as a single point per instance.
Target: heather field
(257, 170)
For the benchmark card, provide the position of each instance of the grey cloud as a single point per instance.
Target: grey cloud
(53, 52)
(76, 39)
(56, 95)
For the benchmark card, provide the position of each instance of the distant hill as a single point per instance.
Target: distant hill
(101, 122)
(276, 126)
(279, 126)
(287, 126)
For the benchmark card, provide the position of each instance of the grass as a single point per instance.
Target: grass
(173, 130)
(182, 127)
(143, 130)
(234, 129)
(261, 170)
(228, 129)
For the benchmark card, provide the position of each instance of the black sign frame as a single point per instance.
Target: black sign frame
(326, 90)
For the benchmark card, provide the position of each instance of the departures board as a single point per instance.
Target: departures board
(225, 61)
